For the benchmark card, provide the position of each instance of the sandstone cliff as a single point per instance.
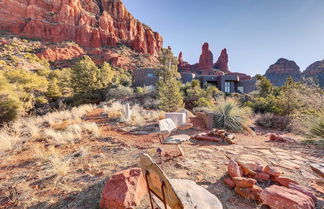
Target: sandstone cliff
(89, 23)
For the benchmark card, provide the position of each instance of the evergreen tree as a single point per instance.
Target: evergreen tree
(168, 87)
(106, 74)
(264, 86)
(54, 90)
(85, 76)
(289, 96)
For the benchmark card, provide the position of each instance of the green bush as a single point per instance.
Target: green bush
(9, 109)
(229, 115)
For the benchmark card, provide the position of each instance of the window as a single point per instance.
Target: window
(240, 89)
(150, 75)
(227, 87)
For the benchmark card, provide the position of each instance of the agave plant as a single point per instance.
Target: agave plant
(229, 115)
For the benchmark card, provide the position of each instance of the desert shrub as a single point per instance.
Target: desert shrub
(9, 109)
(115, 111)
(119, 92)
(229, 115)
(273, 121)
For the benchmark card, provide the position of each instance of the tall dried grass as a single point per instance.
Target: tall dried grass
(38, 127)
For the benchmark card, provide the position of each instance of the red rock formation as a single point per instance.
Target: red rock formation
(222, 62)
(206, 57)
(123, 190)
(61, 53)
(88, 23)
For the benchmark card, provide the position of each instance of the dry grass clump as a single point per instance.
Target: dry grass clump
(139, 116)
(272, 121)
(61, 127)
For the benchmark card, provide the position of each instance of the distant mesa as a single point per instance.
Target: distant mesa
(284, 68)
(206, 65)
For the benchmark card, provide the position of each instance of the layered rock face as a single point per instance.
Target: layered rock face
(281, 70)
(89, 23)
(206, 65)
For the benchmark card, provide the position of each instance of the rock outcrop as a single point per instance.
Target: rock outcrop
(206, 58)
(205, 66)
(61, 53)
(89, 23)
(222, 62)
(281, 70)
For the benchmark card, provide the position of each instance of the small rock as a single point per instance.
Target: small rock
(262, 176)
(271, 171)
(244, 182)
(234, 169)
(279, 138)
(284, 181)
(279, 197)
(250, 193)
(318, 168)
(229, 182)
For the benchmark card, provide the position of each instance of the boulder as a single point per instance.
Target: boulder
(303, 190)
(234, 169)
(195, 196)
(124, 189)
(244, 182)
(252, 193)
(279, 197)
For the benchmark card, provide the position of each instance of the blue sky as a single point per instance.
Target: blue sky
(255, 32)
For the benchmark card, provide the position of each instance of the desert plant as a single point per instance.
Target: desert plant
(229, 115)
(316, 126)
(273, 121)
(119, 92)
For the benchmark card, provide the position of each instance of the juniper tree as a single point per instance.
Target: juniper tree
(168, 87)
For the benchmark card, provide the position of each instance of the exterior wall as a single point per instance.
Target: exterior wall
(141, 78)
(248, 85)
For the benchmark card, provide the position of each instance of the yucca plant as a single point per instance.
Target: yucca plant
(229, 115)
(317, 128)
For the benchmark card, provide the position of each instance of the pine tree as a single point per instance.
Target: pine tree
(54, 90)
(168, 87)
(85, 76)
